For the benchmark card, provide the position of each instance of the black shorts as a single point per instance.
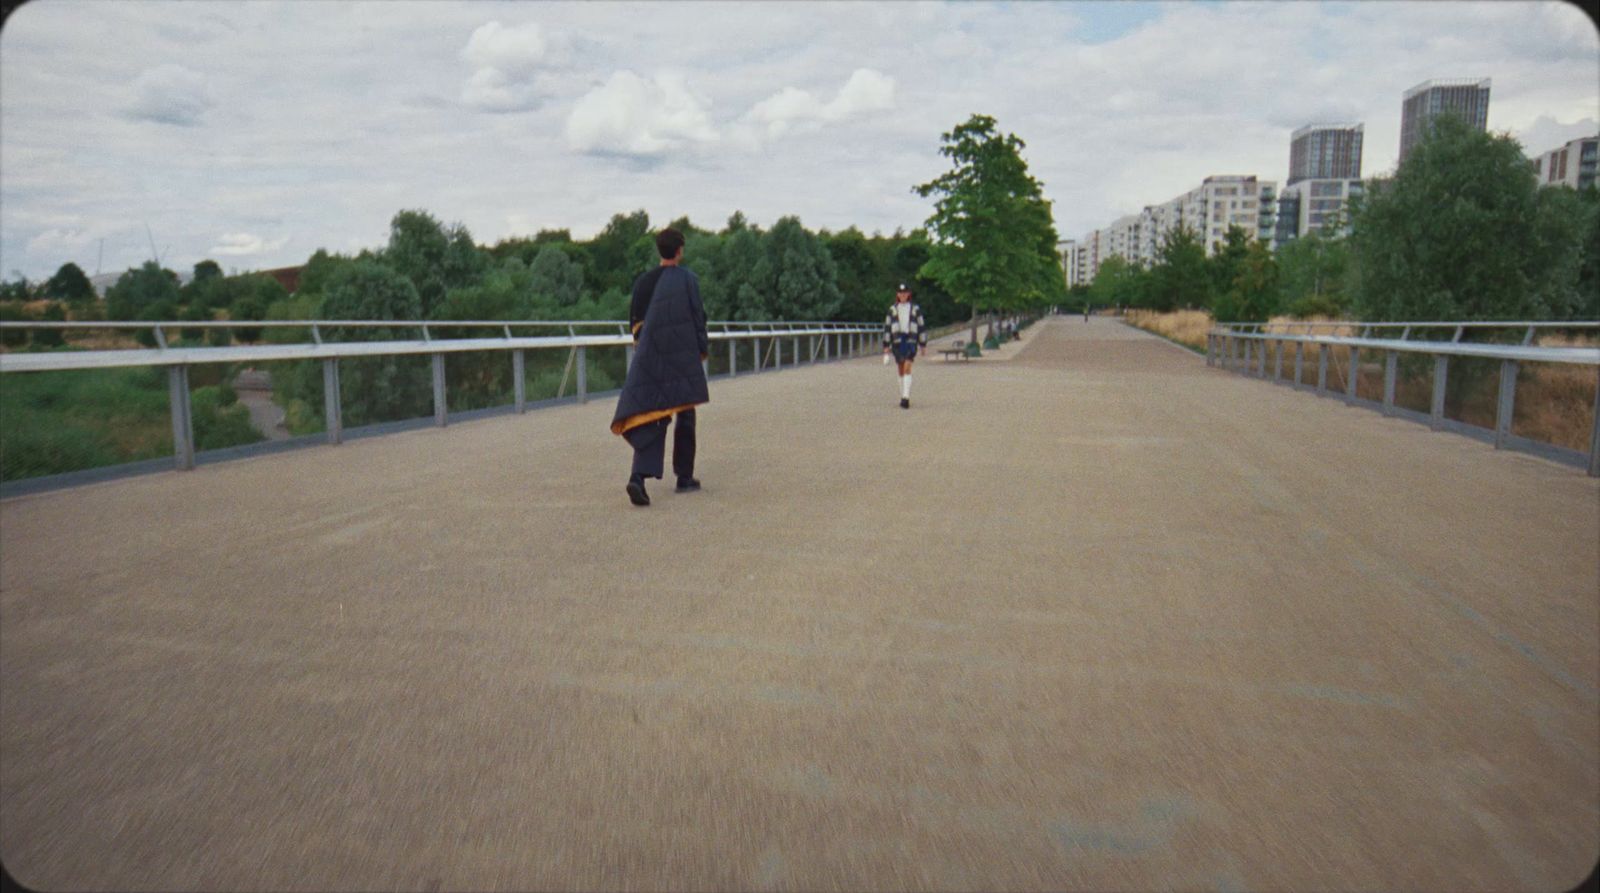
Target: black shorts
(905, 350)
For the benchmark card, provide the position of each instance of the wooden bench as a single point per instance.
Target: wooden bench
(960, 348)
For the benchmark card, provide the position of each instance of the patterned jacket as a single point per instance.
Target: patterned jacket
(893, 331)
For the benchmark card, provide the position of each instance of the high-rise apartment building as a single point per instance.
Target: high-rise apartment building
(1325, 152)
(1320, 205)
(1466, 98)
(1571, 165)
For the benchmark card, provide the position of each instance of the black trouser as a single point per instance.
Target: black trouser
(649, 444)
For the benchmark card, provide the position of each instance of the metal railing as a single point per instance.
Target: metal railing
(1244, 347)
(823, 340)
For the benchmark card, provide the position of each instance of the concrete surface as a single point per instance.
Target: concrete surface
(1096, 617)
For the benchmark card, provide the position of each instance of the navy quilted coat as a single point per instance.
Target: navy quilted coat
(666, 376)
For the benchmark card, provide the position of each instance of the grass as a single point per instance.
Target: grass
(52, 422)
(1554, 403)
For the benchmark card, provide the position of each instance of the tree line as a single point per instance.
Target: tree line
(1463, 231)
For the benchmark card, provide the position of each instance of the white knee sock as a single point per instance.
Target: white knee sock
(905, 387)
(902, 387)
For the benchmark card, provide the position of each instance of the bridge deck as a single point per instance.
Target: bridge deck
(1096, 616)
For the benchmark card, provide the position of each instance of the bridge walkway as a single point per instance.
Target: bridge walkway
(1089, 616)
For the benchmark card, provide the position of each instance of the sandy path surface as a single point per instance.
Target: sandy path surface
(1096, 617)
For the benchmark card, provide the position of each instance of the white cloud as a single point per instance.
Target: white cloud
(170, 94)
(630, 115)
(867, 90)
(506, 67)
(240, 244)
(1546, 133)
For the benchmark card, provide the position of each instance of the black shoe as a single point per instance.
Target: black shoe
(687, 485)
(905, 402)
(636, 493)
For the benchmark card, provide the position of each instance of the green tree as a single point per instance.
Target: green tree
(1312, 272)
(1255, 286)
(795, 277)
(860, 276)
(1180, 277)
(377, 388)
(69, 284)
(1224, 263)
(555, 278)
(1120, 283)
(993, 239)
(1461, 233)
(433, 257)
(613, 251)
(17, 289)
(140, 289)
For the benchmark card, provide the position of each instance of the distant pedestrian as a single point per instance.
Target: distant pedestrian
(666, 378)
(1085, 312)
(904, 332)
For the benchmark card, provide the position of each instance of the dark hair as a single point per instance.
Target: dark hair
(668, 241)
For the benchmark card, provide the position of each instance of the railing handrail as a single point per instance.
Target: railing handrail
(59, 361)
(1356, 323)
(1223, 344)
(1588, 356)
(377, 323)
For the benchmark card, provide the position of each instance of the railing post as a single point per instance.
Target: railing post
(825, 351)
(795, 343)
(439, 407)
(733, 357)
(1211, 348)
(1389, 361)
(1249, 346)
(1507, 403)
(627, 350)
(182, 417)
(1594, 436)
(583, 375)
(777, 352)
(332, 407)
(519, 373)
(1299, 362)
(1322, 369)
(1441, 369)
(1277, 361)
(1352, 374)
(755, 342)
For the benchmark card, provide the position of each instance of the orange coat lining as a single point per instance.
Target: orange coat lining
(645, 418)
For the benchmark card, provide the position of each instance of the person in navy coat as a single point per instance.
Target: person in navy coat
(666, 379)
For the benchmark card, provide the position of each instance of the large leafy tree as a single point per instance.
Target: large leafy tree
(1312, 273)
(555, 277)
(1120, 283)
(377, 388)
(795, 277)
(613, 251)
(861, 277)
(69, 284)
(140, 290)
(434, 257)
(1462, 232)
(993, 238)
(1180, 277)
(1226, 261)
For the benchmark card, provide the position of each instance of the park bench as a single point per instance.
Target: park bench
(959, 348)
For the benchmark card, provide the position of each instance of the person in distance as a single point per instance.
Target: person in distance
(667, 379)
(904, 332)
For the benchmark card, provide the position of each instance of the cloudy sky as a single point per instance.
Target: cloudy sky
(254, 133)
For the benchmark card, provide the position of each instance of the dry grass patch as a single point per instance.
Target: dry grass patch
(1183, 326)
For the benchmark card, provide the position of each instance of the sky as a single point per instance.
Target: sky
(253, 133)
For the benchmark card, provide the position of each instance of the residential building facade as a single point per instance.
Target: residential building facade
(1325, 152)
(1467, 98)
(1208, 211)
(1572, 164)
(1321, 205)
